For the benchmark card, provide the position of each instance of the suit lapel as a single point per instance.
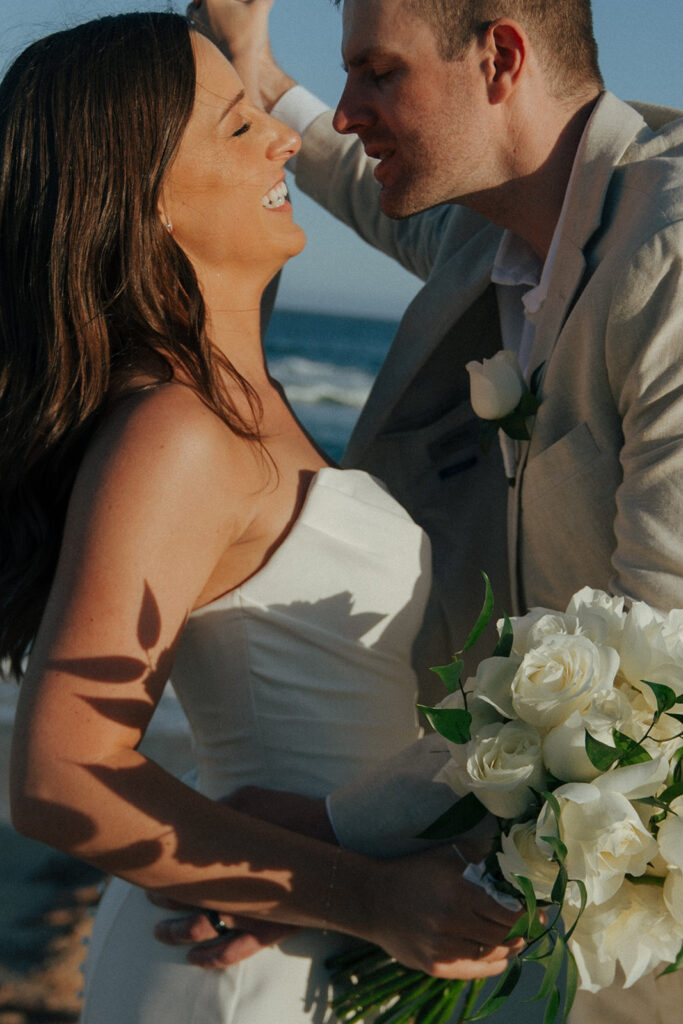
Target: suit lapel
(611, 130)
(448, 294)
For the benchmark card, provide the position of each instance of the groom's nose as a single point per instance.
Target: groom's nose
(353, 110)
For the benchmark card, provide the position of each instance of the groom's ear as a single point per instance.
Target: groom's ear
(506, 52)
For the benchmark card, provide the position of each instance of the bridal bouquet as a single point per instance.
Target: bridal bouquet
(570, 734)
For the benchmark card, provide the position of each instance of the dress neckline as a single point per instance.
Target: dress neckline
(317, 477)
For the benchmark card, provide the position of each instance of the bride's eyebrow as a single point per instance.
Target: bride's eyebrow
(233, 103)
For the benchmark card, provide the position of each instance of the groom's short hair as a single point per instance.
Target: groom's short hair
(560, 30)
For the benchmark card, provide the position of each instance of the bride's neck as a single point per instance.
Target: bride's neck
(233, 323)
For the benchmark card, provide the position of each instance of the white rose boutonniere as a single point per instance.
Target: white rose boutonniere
(496, 385)
(500, 397)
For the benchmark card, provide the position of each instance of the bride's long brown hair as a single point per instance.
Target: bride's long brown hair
(92, 286)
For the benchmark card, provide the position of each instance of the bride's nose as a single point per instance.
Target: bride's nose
(285, 142)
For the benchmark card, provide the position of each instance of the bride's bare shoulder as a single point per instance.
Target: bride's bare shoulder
(166, 442)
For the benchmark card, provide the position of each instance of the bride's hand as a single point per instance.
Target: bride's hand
(429, 917)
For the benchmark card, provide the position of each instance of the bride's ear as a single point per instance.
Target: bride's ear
(162, 210)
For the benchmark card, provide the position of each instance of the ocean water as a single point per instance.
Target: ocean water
(326, 365)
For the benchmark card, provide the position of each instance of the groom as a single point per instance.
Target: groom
(477, 146)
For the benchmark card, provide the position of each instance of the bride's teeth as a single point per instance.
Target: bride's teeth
(277, 197)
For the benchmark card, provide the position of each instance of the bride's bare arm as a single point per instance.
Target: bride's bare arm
(148, 522)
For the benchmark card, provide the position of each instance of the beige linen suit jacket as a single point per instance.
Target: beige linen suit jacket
(600, 486)
(598, 497)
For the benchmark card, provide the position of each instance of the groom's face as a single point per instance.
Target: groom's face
(422, 117)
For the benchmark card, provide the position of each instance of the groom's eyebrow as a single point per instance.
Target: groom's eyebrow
(366, 56)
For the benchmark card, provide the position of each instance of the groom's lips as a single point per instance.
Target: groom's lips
(384, 155)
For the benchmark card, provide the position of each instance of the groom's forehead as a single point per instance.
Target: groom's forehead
(378, 24)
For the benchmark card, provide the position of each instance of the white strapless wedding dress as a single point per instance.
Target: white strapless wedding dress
(296, 680)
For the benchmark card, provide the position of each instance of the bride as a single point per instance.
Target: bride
(162, 506)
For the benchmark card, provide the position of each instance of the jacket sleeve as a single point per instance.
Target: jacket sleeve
(381, 811)
(643, 349)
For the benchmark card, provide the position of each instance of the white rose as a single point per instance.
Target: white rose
(503, 764)
(564, 747)
(603, 833)
(563, 674)
(673, 895)
(633, 929)
(670, 840)
(531, 629)
(483, 713)
(599, 615)
(521, 855)
(496, 385)
(651, 647)
(492, 685)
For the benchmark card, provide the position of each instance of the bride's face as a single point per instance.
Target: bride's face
(224, 194)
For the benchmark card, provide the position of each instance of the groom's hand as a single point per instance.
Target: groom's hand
(246, 936)
(209, 950)
(240, 29)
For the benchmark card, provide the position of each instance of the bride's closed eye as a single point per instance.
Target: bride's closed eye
(242, 129)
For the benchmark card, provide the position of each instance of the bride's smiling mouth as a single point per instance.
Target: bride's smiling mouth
(276, 197)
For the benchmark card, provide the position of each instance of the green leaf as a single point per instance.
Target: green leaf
(666, 697)
(630, 752)
(541, 950)
(571, 984)
(528, 404)
(583, 895)
(560, 886)
(484, 615)
(552, 1007)
(552, 966)
(460, 818)
(519, 929)
(677, 965)
(599, 754)
(553, 804)
(503, 989)
(450, 674)
(558, 848)
(534, 928)
(452, 723)
(515, 427)
(536, 378)
(504, 645)
(655, 881)
(671, 793)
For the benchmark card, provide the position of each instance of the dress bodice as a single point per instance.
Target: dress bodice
(301, 676)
